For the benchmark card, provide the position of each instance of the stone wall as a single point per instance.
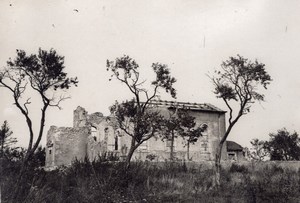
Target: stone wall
(216, 129)
(79, 117)
(95, 148)
(64, 144)
(203, 149)
(95, 134)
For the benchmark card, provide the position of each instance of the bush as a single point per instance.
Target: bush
(107, 181)
(238, 168)
(151, 157)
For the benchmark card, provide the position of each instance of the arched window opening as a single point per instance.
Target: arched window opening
(94, 133)
(116, 142)
(49, 146)
(111, 139)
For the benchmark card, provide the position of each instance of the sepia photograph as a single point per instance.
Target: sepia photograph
(124, 101)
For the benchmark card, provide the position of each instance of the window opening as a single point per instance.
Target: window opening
(116, 142)
(94, 132)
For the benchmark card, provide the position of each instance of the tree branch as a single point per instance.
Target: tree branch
(61, 98)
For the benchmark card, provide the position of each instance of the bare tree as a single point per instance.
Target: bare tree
(239, 80)
(137, 118)
(44, 74)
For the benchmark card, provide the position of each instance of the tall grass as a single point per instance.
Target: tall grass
(106, 181)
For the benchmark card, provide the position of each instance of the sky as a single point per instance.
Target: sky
(192, 37)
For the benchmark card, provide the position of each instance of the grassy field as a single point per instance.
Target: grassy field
(149, 182)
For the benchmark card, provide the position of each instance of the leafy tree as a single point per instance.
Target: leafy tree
(171, 129)
(240, 81)
(258, 150)
(44, 74)
(284, 146)
(139, 119)
(191, 132)
(6, 140)
(180, 123)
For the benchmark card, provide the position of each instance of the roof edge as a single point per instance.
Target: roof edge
(191, 106)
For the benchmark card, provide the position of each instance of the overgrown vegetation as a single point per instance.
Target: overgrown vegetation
(108, 181)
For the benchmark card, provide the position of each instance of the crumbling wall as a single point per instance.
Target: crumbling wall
(95, 118)
(64, 144)
(80, 117)
(94, 148)
(105, 140)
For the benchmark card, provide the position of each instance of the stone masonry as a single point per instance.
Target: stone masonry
(92, 135)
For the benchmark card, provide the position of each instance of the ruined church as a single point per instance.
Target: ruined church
(94, 134)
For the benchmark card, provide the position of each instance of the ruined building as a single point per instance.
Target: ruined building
(95, 134)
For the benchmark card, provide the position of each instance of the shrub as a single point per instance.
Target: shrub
(107, 181)
(238, 168)
(151, 157)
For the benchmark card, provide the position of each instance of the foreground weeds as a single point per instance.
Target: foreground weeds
(103, 181)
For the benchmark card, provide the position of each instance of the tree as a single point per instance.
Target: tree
(258, 150)
(170, 130)
(42, 73)
(6, 140)
(180, 123)
(284, 146)
(240, 81)
(191, 132)
(136, 118)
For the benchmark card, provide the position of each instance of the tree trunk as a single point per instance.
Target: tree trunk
(172, 147)
(133, 146)
(219, 150)
(188, 151)
(218, 164)
(129, 155)
(42, 125)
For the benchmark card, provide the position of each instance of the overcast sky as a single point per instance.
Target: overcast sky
(192, 37)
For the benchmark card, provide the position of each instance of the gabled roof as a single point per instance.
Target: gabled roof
(233, 146)
(187, 105)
